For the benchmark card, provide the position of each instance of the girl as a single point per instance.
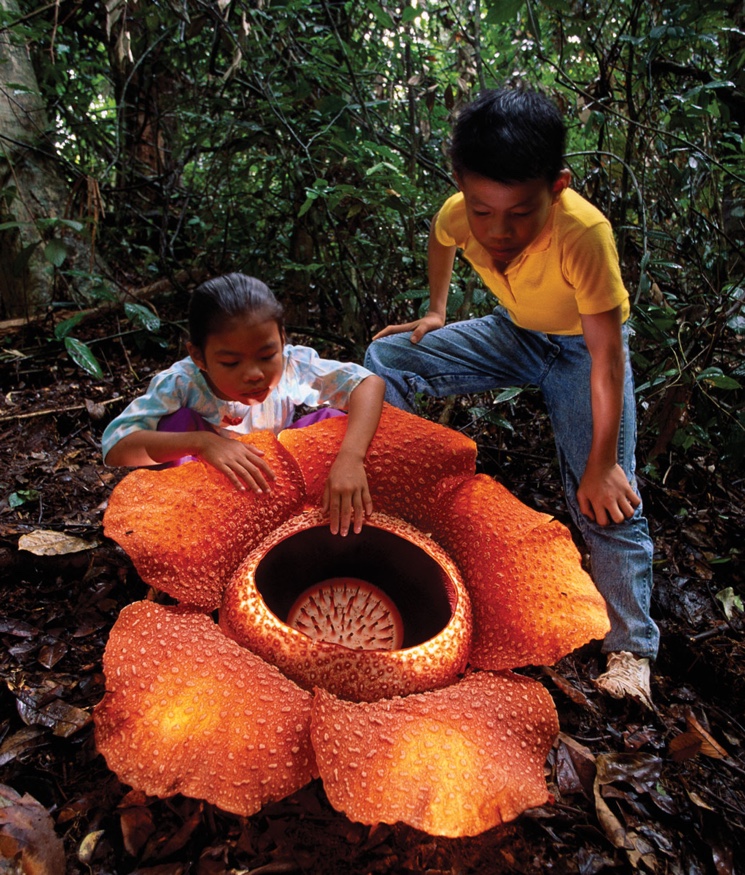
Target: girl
(241, 377)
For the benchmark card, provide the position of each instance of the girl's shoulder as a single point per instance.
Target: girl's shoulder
(185, 368)
(304, 363)
(178, 378)
(305, 356)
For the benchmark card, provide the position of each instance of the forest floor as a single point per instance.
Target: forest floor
(657, 791)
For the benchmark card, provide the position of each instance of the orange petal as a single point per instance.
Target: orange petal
(454, 762)
(407, 461)
(532, 601)
(188, 528)
(387, 554)
(188, 711)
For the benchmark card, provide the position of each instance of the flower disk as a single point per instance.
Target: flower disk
(359, 675)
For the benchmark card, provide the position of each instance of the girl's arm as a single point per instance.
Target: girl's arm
(346, 497)
(605, 494)
(440, 260)
(240, 463)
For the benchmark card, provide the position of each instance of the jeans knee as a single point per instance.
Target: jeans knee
(375, 356)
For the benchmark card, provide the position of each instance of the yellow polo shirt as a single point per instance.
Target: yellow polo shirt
(571, 268)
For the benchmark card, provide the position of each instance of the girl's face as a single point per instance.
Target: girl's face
(243, 360)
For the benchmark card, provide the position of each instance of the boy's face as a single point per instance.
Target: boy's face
(506, 219)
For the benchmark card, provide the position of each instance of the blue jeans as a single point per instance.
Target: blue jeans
(480, 355)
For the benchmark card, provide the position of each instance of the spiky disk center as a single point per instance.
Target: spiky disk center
(350, 612)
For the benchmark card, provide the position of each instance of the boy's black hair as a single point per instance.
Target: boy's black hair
(225, 297)
(509, 135)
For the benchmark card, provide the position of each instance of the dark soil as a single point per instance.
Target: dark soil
(663, 792)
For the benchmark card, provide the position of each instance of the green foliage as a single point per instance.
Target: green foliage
(23, 496)
(306, 142)
(83, 356)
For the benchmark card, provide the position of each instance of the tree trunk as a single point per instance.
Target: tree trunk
(31, 188)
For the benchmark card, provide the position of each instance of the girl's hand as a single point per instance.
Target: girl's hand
(605, 495)
(346, 497)
(241, 463)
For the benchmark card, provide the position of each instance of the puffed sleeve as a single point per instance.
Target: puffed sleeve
(167, 392)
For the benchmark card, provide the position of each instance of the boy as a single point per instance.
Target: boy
(549, 258)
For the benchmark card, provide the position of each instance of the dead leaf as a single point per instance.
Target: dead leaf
(684, 746)
(706, 743)
(88, 846)
(50, 654)
(642, 772)
(43, 542)
(612, 826)
(63, 719)
(95, 410)
(730, 601)
(27, 830)
(582, 763)
(17, 628)
(21, 742)
(136, 822)
(570, 691)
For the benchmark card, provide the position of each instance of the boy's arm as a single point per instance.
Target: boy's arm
(605, 494)
(346, 496)
(241, 463)
(440, 260)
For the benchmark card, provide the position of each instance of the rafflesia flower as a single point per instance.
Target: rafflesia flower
(379, 661)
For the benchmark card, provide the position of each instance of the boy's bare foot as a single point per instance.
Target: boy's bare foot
(626, 675)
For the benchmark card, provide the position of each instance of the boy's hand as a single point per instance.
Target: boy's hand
(241, 463)
(346, 497)
(605, 495)
(418, 328)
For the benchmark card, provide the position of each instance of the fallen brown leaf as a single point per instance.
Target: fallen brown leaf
(27, 832)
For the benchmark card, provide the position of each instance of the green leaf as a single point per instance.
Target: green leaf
(72, 224)
(62, 329)
(142, 316)
(499, 11)
(307, 205)
(508, 394)
(493, 417)
(381, 15)
(55, 252)
(82, 355)
(23, 496)
(715, 377)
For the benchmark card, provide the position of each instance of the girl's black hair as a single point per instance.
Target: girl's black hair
(509, 135)
(225, 297)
